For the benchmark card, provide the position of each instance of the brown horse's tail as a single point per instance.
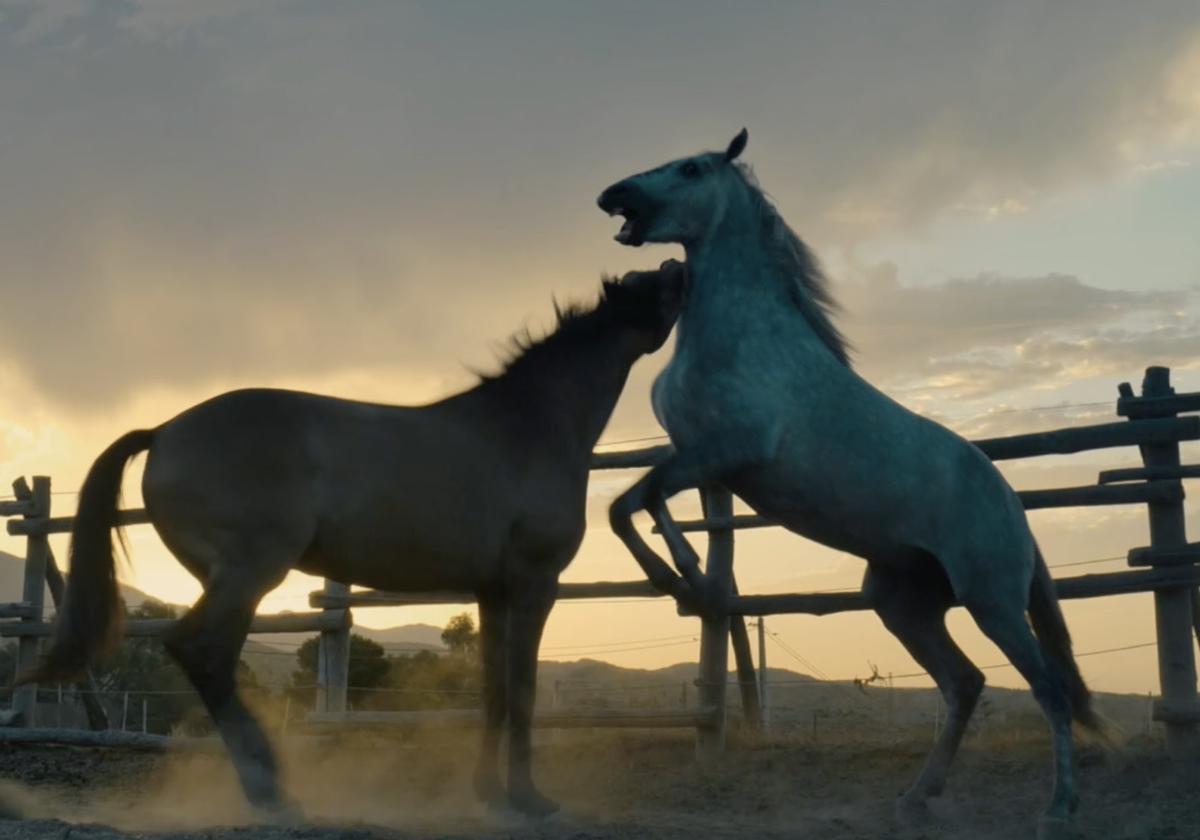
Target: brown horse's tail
(89, 623)
(1051, 630)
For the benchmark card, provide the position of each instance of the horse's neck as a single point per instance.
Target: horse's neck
(737, 294)
(570, 400)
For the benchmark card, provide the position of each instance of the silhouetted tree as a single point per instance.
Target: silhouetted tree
(460, 634)
(369, 668)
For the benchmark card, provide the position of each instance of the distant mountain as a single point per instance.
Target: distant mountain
(12, 583)
(599, 672)
(412, 637)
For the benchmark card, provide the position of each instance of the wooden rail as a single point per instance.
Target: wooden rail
(1085, 438)
(18, 610)
(1148, 473)
(566, 591)
(1057, 442)
(304, 622)
(631, 458)
(1090, 496)
(1081, 586)
(137, 741)
(62, 524)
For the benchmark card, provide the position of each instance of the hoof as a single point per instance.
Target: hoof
(490, 792)
(284, 813)
(1056, 828)
(531, 803)
(912, 810)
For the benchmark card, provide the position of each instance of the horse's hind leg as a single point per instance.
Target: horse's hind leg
(206, 643)
(1003, 621)
(914, 610)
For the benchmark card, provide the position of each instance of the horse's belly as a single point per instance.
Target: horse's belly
(409, 550)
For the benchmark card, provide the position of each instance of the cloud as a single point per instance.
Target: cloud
(191, 193)
(981, 337)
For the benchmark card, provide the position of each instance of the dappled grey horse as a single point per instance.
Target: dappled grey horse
(483, 492)
(760, 396)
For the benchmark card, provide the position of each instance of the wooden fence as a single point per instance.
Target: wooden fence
(1167, 567)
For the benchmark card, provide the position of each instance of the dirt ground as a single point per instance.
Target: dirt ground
(612, 787)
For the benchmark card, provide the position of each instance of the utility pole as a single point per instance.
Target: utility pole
(762, 673)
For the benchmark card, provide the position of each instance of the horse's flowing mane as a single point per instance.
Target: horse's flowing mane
(576, 324)
(810, 289)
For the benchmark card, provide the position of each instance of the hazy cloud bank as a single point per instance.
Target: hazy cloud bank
(190, 192)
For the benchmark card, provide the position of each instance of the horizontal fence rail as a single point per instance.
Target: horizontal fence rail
(566, 591)
(304, 622)
(1081, 586)
(1167, 567)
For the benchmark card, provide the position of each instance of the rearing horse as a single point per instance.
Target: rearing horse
(760, 397)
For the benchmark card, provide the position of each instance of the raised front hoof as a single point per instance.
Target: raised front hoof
(912, 810)
(531, 803)
(1057, 828)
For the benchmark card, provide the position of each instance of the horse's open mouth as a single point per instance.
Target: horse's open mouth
(631, 233)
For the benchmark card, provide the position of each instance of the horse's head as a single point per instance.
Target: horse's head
(648, 302)
(680, 201)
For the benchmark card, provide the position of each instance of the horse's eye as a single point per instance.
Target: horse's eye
(690, 170)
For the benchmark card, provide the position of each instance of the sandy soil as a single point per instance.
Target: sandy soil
(612, 787)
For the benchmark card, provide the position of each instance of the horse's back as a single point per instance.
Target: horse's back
(354, 488)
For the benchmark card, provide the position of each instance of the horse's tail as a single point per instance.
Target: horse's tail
(1051, 630)
(89, 623)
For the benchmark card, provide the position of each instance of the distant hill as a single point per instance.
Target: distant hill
(406, 637)
(12, 583)
(272, 655)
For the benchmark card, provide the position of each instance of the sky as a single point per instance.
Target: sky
(366, 198)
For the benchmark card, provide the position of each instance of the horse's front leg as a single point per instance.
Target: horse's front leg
(493, 642)
(530, 600)
(696, 467)
(620, 517)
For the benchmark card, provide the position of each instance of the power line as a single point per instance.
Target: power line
(1086, 562)
(692, 640)
(683, 636)
(1010, 665)
(796, 655)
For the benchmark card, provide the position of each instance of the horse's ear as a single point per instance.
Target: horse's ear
(737, 145)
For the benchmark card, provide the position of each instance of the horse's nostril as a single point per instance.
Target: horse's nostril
(612, 195)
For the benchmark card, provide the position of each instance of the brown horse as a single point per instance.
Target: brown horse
(483, 492)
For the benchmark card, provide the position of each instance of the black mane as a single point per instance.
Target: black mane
(576, 325)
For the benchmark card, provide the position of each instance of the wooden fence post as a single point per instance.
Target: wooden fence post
(1172, 607)
(714, 632)
(86, 688)
(333, 659)
(747, 684)
(37, 549)
(764, 703)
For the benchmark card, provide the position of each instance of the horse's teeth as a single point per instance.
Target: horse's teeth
(617, 211)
